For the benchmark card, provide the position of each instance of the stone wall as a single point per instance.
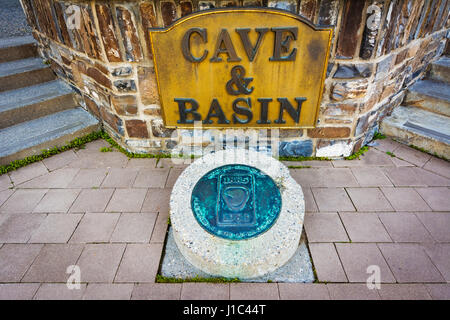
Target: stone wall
(108, 62)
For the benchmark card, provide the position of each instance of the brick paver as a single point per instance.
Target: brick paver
(438, 224)
(106, 291)
(15, 259)
(23, 201)
(324, 227)
(205, 291)
(440, 255)
(134, 227)
(95, 227)
(404, 292)
(52, 262)
(130, 200)
(157, 291)
(364, 227)
(56, 228)
(254, 291)
(327, 263)
(437, 198)
(59, 291)
(352, 291)
(109, 215)
(357, 258)
(405, 227)
(99, 262)
(18, 228)
(89, 178)
(303, 291)
(57, 200)
(332, 199)
(18, 291)
(92, 200)
(369, 199)
(409, 263)
(405, 199)
(139, 263)
(120, 178)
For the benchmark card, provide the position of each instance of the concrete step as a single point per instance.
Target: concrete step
(17, 48)
(430, 95)
(421, 128)
(31, 137)
(440, 70)
(22, 73)
(33, 102)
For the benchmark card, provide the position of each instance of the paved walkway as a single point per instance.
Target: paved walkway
(108, 215)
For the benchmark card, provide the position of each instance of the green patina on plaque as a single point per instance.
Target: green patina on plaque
(236, 202)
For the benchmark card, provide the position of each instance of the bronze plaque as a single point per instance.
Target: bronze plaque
(241, 68)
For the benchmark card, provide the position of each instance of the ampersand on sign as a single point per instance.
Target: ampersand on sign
(240, 83)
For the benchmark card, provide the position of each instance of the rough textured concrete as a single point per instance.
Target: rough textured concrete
(33, 102)
(31, 137)
(297, 269)
(12, 19)
(420, 128)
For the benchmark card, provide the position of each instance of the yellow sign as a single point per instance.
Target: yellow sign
(245, 68)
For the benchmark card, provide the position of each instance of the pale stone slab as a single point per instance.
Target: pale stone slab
(134, 227)
(59, 291)
(102, 291)
(18, 291)
(56, 228)
(205, 291)
(232, 258)
(15, 259)
(157, 291)
(57, 200)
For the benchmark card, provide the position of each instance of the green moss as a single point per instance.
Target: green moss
(299, 167)
(425, 151)
(378, 136)
(169, 223)
(77, 143)
(304, 159)
(390, 154)
(358, 154)
(106, 149)
(162, 279)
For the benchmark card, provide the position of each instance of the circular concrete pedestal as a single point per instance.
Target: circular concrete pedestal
(237, 257)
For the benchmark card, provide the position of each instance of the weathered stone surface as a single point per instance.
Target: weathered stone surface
(92, 106)
(349, 90)
(158, 129)
(136, 128)
(186, 8)
(334, 148)
(148, 19)
(204, 5)
(125, 85)
(288, 5)
(122, 71)
(340, 109)
(329, 132)
(130, 38)
(228, 3)
(308, 9)
(148, 86)
(302, 148)
(168, 12)
(125, 105)
(349, 37)
(114, 121)
(364, 122)
(107, 31)
(328, 12)
(99, 77)
(88, 33)
(152, 111)
(351, 71)
(383, 67)
(371, 29)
